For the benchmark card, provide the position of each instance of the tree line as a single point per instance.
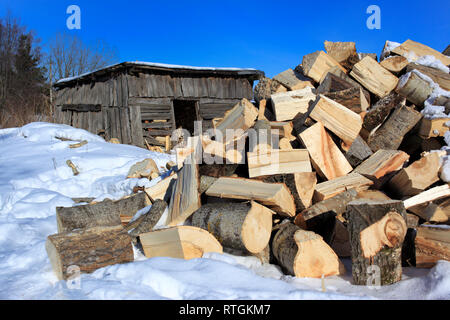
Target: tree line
(28, 68)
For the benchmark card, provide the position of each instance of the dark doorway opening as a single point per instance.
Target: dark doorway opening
(185, 114)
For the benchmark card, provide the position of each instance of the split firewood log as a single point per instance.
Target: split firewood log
(181, 242)
(432, 244)
(244, 226)
(304, 254)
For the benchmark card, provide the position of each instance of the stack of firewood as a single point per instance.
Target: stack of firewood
(333, 160)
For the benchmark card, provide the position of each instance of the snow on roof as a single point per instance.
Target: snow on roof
(243, 71)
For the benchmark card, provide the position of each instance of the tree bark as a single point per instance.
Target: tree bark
(88, 250)
(243, 226)
(377, 230)
(102, 214)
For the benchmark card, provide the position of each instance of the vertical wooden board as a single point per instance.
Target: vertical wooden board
(172, 115)
(111, 128)
(83, 120)
(240, 88)
(137, 138)
(203, 88)
(124, 90)
(170, 86)
(57, 115)
(117, 123)
(177, 87)
(105, 122)
(125, 125)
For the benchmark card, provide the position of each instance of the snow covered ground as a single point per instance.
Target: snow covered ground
(34, 180)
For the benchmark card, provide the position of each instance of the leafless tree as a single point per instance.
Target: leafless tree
(68, 56)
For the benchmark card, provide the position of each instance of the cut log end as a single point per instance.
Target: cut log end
(257, 228)
(315, 258)
(389, 231)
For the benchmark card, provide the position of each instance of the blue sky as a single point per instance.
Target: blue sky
(268, 35)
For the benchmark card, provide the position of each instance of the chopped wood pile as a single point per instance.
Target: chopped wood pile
(336, 158)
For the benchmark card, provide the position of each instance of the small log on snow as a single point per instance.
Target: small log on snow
(377, 230)
(300, 184)
(278, 162)
(374, 77)
(185, 197)
(358, 152)
(432, 244)
(244, 226)
(293, 80)
(182, 242)
(379, 112)
(430, 128)
(394, 64)
(316, 65)
(429, 195)
(414, 88)
(380, 166)
(78, 145)
(288, 104)
(101, 214)
(304, 254)
(143, 169)
(390, 134)
(73, 167)
(146, 222)
(328, 189)
(88, 250)
(340, 120)
(276, 196)
(417, 177)
(411, 49)
(326, 157)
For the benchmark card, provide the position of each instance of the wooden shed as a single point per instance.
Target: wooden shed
(136, 100)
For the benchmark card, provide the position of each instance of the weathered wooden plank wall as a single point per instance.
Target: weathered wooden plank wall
(141, 104)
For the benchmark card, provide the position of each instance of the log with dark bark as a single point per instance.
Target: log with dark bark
(379, 112)
(244, 226)
(88, 250)
(358, 152)
(390, 134)
(147, 221)
(304, 253)
(377, 230)
(102, 214)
